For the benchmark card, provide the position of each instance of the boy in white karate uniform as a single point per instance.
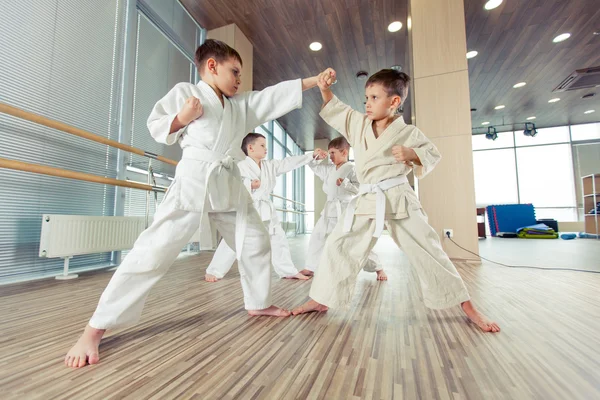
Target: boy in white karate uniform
(340, 184)
(386, 149)
(209, 121)
(260, 177)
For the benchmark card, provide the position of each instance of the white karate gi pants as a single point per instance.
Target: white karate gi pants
(281, 257)
(158, 246)
(345, 253)
(317, 241)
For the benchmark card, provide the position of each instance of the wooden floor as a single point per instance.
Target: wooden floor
(196, 341)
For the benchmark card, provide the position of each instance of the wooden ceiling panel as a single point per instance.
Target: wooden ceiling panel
(515, 45)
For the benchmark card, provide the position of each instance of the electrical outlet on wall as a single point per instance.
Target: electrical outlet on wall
(448, 233)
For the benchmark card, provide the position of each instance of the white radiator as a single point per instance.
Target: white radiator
(66, 236)
(70, 235)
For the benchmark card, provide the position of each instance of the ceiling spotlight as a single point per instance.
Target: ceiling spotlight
(589, 111)
(530, 129)
(491, 134)
(362, 75)
(485, 123)
(315, 46)
(530, 118)
(520, 84)
(500, 107)
(490, 5)
(395, 26)
(472, 54)
(554, 100)
(561, 38)
(396, 67)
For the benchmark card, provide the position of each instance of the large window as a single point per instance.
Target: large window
(495, 177)
(543, 170)
(61, 59)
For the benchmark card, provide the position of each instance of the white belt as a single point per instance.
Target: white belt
(379, 189)
(271, 227)
(220, 160)
(338, 206)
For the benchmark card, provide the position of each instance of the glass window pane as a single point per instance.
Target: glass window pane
(278, 151)
(505, 139)
(559, 214)
(495, 177)
(262, 131)
(546, 176)
(559, 134)
(289, 188)
(278, 131)
(586, 161)
(585, 132)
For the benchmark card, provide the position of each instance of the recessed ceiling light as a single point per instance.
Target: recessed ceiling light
(362, 75)
(500, 107)
(520, 84)
(554, 100)
(395, 26)
(315, 46)
(530, 118)
(485, 123)
(396, 67)
(490, 5)
(589, 111)
(561, 38)
(472, 54)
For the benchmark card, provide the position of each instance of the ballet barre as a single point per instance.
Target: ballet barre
(50, 123)
(81, 176)
(291, 211)
(291, 201)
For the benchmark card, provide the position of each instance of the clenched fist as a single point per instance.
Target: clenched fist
(339, 181)
(255, 184)
(326, 78)
(404, 154)
(192, 110)
(319, 154)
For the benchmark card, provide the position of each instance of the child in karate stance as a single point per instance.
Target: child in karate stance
(208, 121)
(340, 185)
(386, 149)
(260, 177)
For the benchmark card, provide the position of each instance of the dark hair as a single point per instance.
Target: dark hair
(394, 82)
(250, 139)
(339, 143)
(216, 49)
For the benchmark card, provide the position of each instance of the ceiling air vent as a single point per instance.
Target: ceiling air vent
(581, 79)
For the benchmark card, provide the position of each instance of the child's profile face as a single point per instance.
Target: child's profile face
(227, 76)
(338, 156)
(258, 149)
(379, 104)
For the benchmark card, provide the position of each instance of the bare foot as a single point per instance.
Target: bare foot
(381, 275)
(210, 278)
(310, 306)
(307, 272)
(478, 318)
(272, 311)
(298, 276)
(85, 350)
